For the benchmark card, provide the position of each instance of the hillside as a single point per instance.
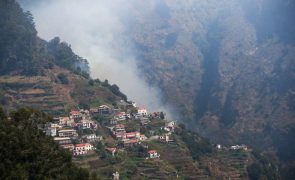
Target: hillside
(95, 130)
(47, 76)
(227, 66)
(49, 94)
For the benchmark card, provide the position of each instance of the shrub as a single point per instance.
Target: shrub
(63, 78)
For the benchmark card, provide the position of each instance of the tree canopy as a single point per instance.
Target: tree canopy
(26, 153)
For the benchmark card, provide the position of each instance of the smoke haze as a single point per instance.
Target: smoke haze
(95, 30)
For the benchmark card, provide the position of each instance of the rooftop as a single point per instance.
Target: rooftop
(80, 145)
(120, 126)
(66, 130)
(152, 151)
(74, 112)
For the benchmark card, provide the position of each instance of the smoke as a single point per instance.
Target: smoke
(97, 31)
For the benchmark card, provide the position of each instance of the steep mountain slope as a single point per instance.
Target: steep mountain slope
(227, 66)
(45, 75)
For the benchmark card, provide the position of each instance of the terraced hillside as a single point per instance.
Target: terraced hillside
(175, 162)
(49, 94)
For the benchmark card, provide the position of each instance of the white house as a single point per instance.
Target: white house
(132, 135)
(142, 111)
(238, 147)
(88, 124)
(92, 137)
(81, 149)
(62, 140)
(75, 115)
(218, 146)
(169, 126)
(65, 121)
(133, 104)
(142, 137)
(165, 138)
(120, 116)
(51, 129)
(67, 133)
(116, 176)
(153, 154)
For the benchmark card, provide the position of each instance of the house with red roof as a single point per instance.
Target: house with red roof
(132, 135)
(141, 111)
(81, 149)
(142, 137)
(153, 154)
(65, 121)
(130, 142)
(119, 131)
(75, 115)
(112, 150)
(120, 116)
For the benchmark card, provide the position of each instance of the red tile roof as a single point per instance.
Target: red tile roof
(120, 126)
(152, 151)
(74, 112)
(80, 145)
(111, 149)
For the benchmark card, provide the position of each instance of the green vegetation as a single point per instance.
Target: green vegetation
(262, 168)
(18, 39)
(22, 52)
(198, 146)
(63, 78)
(66, 58)
(26, 153)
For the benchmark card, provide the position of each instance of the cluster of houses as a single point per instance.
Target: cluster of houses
(65, 132)
(127, 139)
(239, 147)
(68, 131)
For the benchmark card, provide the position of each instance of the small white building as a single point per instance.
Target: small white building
(62, 140)
(88, 124)
(169, 126)
(133, 104)
(142, 137)
(67, 133)
(75, 115)
(116, 176)
(92, 137)
(238, 147)
(51, 129)
(81, 149)
(218, 146)
(165, 138)
(65, 121)
(153, 154)
(120, 116)
(142, 111)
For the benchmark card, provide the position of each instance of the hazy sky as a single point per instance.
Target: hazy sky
(95, 31)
